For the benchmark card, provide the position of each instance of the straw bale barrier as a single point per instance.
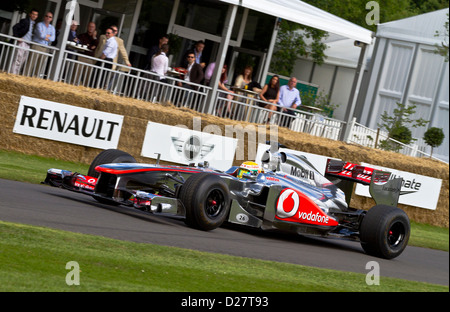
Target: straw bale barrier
(137, 113)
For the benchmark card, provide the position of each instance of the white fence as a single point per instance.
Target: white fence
(82, 70)
(364, 136)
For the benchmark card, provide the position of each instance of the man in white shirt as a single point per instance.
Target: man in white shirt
(109, 52)
(110, 49)
(289, 98)
(160, 62)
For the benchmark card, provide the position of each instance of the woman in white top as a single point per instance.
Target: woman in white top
(245, 78)
(160, 62)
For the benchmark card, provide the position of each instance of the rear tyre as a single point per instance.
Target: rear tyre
(205, 197)
(385, 231)
(107, 157)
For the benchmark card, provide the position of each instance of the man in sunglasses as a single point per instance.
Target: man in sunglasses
(194, 72)
(44, 34)
(108, 53)
(121, 51)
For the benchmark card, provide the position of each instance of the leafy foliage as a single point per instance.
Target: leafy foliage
(395, 124)
(320, 100)
(434, 137)
(294, 41)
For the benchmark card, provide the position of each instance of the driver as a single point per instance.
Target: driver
(249, 167)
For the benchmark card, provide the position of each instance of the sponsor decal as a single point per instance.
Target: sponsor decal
(67, 123)
(85, 182)
(180, 145)
(416, 190)
(192, 148)
(302, 173)
(293, 206)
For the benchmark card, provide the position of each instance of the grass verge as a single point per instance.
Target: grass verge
(34, 259)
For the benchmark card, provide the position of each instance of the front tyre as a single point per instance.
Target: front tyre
(109, 156)
(205, 197)
(385, 231)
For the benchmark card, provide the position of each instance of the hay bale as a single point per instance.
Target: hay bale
(138, 113)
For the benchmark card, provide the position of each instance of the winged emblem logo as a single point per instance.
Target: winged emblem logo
(192, 148)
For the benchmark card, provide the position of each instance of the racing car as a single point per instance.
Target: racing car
(285, 193)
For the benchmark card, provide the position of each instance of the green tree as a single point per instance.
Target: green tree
(434, 137)
(398, 124)
(355, 10)
(294, 41)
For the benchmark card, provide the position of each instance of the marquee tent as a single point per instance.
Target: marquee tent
(302, 13)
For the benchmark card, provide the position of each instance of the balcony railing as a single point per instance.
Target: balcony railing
(82, 70)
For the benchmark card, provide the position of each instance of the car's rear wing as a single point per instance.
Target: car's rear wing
(383, 189)
(349, 171)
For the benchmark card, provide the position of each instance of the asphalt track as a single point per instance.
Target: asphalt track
(46, 206)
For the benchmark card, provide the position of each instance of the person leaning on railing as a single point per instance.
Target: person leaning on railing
(24, 30)
(109, 52)
(271, 94)
(44, 34)
(289, 98)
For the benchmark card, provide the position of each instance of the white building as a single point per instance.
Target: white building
(405, 68)
(336, 75)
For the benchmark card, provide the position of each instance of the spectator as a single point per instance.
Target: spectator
(160, 62)
(245, 78)
(155, 49)
(289, 98)
(44, 34)
(194, 72)
(209, 71)
(198, 51)
(89, 39)
(23, 30)
(73, 37)
(109, 52)
(110, 48)
(271, 94)
(73, 32)
(121, 51)
(223, 80)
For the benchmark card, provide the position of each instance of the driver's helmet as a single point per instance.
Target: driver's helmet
(249, 167)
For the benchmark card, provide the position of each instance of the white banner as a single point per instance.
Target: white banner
(183, 146)
(67, 123)
(417, 190)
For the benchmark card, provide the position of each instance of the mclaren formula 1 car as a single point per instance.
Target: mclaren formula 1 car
(288, 194)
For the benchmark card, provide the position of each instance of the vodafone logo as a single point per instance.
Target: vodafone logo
(288, 204)
(289, 209)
